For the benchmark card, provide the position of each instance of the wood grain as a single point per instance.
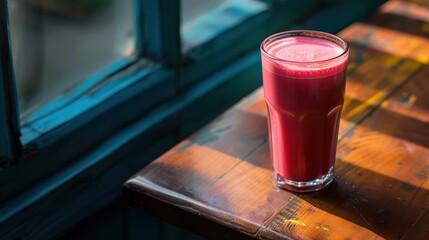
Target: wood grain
(220, 180)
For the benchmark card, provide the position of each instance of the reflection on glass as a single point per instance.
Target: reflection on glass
(57, 44)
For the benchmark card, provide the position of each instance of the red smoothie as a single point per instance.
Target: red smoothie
(304, 84)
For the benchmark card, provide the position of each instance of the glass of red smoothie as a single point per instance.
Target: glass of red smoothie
(304, 75)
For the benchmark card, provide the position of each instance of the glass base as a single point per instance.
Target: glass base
(309, 186)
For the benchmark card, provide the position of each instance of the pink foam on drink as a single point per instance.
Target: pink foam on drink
(305, 56)
(304, 49)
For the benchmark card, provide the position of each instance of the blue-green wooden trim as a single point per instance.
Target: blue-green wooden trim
(138, 27)
(161, 30)
(64, 101)
(10, 145)
(126, 97)
(82, 99)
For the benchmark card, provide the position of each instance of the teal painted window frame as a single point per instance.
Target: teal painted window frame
(10, 145)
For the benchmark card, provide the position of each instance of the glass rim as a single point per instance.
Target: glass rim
(305, 33)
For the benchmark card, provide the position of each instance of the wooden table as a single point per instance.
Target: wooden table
(218, 182)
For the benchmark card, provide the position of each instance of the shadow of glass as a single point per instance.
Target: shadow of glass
(381, 204)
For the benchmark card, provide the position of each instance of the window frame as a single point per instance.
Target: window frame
(160, 26)
(10, 145)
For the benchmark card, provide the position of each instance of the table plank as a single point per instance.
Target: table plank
(220, 181)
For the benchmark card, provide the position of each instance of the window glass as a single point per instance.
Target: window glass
(192, 9)
(57, 44)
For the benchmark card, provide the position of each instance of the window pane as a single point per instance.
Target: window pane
(57, 44)
(192, 9)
